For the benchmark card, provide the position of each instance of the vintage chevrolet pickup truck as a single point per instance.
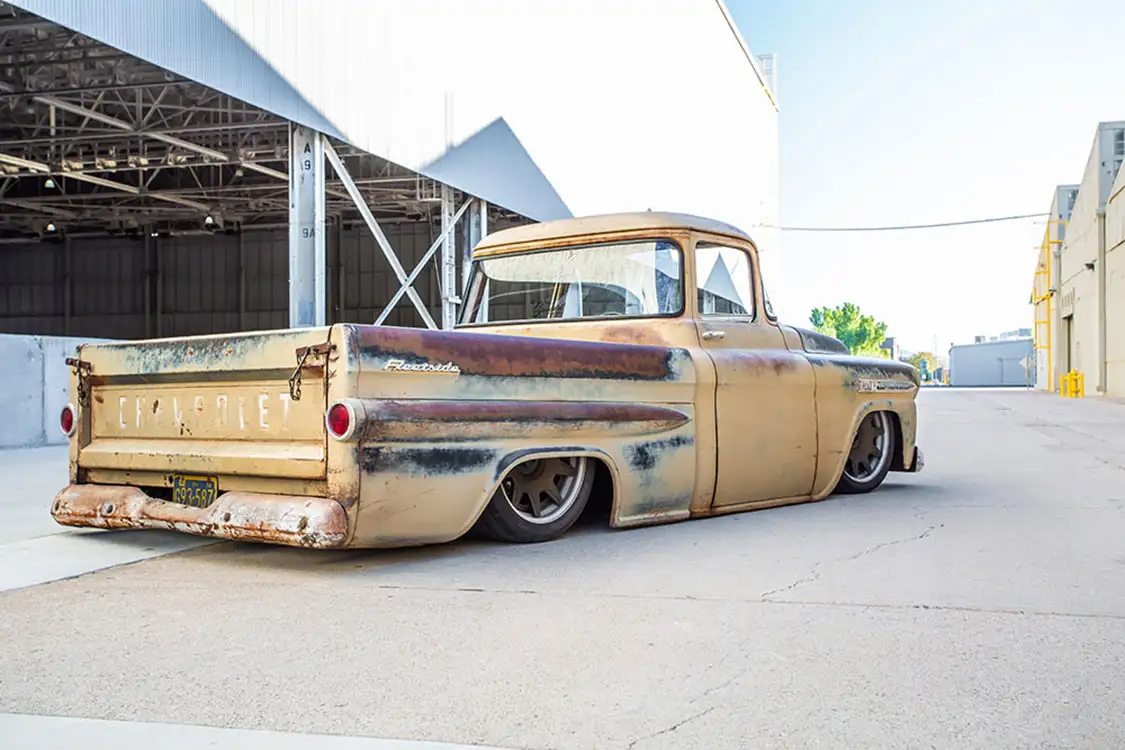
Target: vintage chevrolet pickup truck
(633, 359)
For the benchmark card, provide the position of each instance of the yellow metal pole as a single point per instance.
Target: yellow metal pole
(1046, 251)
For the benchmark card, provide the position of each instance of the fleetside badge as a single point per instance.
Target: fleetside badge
(401, 365)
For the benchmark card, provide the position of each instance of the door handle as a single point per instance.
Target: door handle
(709, 335)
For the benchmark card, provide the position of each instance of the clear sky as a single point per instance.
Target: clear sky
(909, 112)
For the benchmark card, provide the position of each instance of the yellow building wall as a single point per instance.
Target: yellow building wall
(1045, 303)
(1077, 343)
(1045, 317)
(1115, 288)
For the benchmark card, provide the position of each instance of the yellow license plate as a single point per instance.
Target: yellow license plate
(196, 491)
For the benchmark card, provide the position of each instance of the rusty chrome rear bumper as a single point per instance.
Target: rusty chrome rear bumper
(293, 520)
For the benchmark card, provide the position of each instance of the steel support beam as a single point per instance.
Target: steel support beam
(306, 228)
(113, 122)
(449, 298)
(33, 206)
(242, 281)
(118, 187)
(376, 230)
(408, 284)
(478, 230)
(68, 286)
(171, 140)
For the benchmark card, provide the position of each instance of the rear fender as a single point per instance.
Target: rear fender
(517, 457)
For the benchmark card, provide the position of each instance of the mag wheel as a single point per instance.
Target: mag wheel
(869, 459)
(539, 499)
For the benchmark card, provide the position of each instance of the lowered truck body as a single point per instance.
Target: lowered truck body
(665, 394)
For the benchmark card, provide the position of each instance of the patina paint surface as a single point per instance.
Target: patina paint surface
(688, 416)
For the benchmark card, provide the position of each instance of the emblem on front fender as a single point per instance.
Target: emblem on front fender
(875, 385)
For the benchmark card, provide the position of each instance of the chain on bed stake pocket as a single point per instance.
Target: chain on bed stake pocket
(82, 370)
(302, 356)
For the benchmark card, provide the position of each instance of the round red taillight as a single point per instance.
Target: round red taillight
(67, 421)
(339, 420)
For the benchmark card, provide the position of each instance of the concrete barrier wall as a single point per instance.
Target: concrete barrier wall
(34, 388)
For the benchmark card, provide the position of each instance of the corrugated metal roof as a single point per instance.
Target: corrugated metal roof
(189, 39)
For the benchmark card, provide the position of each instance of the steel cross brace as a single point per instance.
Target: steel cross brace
(377, 231)
(407, 285)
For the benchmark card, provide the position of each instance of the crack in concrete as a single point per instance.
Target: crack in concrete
(948, 608)
(748, 600)
(810, 577)
(673, 728)
(893, 542)
(725, 683)
(814, 572)
(1108, 462)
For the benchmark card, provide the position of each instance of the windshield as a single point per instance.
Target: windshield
(635, 279)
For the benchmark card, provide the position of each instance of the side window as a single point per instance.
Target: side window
(766, 303)
(723, 279)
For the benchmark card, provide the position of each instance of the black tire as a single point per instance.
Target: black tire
(853, 482)
(503, 523)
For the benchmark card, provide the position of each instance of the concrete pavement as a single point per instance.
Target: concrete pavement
(34, 549)
(979, 604)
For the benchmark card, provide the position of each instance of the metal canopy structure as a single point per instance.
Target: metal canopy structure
(95, 140)
(98, 143)
(170, 123)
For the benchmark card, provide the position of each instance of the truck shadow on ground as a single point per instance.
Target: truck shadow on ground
(590, 538)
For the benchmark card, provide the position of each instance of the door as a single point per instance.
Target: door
(1067, 347)
(764, 403)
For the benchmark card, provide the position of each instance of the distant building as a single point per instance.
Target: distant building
(891, 348)
(998, 362)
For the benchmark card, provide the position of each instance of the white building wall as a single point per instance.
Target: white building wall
(622, 104)
(1079, 287)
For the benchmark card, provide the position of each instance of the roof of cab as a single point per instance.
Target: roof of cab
(604, 224)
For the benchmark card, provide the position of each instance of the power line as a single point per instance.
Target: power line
(906, 226)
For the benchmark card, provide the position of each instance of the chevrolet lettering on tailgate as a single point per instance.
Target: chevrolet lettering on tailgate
(261, 411)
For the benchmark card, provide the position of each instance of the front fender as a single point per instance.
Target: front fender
(833, 457)
(847, 390)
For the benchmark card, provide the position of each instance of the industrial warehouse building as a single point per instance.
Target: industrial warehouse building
(1006, 360)
(207, 166)
(1079, 289)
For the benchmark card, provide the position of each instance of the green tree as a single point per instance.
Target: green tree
(862, 334)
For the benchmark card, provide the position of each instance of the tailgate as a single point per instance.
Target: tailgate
(215, 405)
